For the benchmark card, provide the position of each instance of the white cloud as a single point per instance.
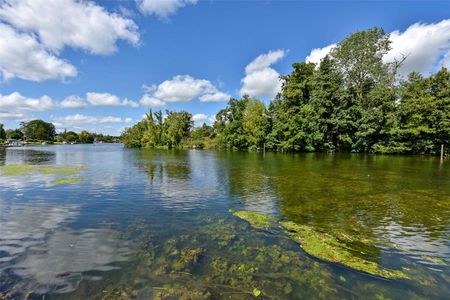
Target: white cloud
(78, 119)
(73, 23)
(34, 32)
(318, 54)
(16, 102)
(199, 118)
(73, 102)
(260, 79)
(264, 61)
(22, 56)
(426, 46)
(181, 88)
(216, 97)
(107, 99)
(152, 102)
(11, 116)
(163, 8)
(16, 106)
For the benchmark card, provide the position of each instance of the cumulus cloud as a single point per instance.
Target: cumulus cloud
(107, 99)
(318, 54)
(22, 56)
(181, 88)
(73, 102)
(34, 32)
(215, 97)
(15, 101)
(199, 118)
(162, 8)
(79, 119)
(11, 116)
(260, 79)
(426, 47)
(78, 24)
(151, 102)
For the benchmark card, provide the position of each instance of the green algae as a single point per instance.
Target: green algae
(22, 170)
(327, 247)
(256, 220)
(50, 170)
(18, 170)
(335, 247)
(193, 264)
(66, 181)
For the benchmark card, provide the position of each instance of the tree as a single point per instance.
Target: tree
(132, 137)
(38, 130)
(291, 111)
(177, 127)
(370, 82)
(335, 110)
(14, 134)
(255, 123)
(229, 127)
(85, 137)
(2, 132)
(70, 136)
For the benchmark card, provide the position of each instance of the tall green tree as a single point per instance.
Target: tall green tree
(255, 123)
(38, 130)
(291, 112)
(177, 127)
(2, 132)
(229, 125)
(370, 82)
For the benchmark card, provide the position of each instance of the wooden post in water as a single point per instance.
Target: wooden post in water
(442, 152)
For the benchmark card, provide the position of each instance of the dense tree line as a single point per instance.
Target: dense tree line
(157, 130)
(352, 101)
(38, 131)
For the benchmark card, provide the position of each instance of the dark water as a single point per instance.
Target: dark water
(157, 225)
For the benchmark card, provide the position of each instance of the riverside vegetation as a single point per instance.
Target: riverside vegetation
(353, 101)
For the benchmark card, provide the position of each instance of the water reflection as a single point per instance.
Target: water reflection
(58, 264)
(54, 238)
(183, 180)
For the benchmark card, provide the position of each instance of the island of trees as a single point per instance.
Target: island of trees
(352, 101)
(38, 131)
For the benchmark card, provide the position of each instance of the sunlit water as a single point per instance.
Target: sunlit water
(120, 231)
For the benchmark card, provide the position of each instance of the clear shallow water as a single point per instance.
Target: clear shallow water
(157, 224)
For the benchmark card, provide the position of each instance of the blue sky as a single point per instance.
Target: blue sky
(113, 60)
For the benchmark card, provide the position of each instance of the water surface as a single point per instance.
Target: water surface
(156, 224)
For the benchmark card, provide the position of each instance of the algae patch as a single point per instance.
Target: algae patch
(331, 247)
(327, 247)
(256, 220)
(46, 170)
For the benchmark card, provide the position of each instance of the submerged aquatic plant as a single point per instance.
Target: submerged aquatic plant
(256, 220)
(57, 170)
(327, 247)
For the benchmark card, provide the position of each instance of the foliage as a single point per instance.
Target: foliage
(14, 134)
(352, 101)
(156, 131)
(38, 130)
(2, 132)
